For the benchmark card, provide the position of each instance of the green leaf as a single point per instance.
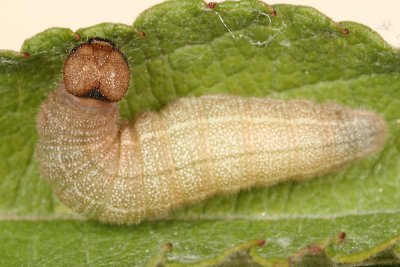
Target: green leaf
(183, 48)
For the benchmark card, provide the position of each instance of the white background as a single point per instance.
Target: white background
(20, 19)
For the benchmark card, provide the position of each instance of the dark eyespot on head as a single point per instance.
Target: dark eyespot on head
(97, 69)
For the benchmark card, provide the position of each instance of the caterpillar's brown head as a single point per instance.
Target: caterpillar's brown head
(96, 69)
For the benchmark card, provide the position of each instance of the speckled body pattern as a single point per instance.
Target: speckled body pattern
(192, 149)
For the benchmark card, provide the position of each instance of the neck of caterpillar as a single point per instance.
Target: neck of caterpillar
(80, 120)
(78, 148)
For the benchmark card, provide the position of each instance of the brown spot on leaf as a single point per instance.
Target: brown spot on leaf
(211, 5)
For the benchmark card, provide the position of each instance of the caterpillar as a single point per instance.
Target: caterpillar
(194, 148)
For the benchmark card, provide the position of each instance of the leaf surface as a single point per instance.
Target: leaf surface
(181, 48)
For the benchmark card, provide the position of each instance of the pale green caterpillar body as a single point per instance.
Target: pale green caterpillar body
(192, 149)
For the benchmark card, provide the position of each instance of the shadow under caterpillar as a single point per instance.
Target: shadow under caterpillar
(192, 149)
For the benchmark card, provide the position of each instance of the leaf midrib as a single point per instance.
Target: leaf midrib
(188, 218)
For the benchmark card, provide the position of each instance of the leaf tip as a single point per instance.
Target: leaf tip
(341, 237)
(77, 36)
(346, 31)
(141, 34)
(211, 5)
(168, 247)
(26, 54)
(261, 242)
